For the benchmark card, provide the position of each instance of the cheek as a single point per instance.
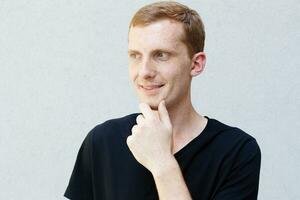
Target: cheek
(180, 79)
(132, 73)
(174, 74)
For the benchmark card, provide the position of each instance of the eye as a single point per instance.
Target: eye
(162, 55)
(133, 56)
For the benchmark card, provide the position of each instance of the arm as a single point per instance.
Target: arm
(151, 145)
(170, 183)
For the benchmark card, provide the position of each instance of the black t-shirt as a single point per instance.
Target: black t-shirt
(221, 163)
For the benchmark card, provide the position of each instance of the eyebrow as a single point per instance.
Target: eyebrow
(133, 51)
(156, 50)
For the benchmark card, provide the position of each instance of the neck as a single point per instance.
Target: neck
(184, 118)
(186, 122)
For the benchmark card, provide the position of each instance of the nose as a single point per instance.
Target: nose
(147, 70)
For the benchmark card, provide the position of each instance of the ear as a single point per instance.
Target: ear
(198, 63)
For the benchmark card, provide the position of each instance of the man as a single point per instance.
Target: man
(168, 151)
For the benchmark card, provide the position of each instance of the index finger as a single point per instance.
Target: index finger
(146, 110)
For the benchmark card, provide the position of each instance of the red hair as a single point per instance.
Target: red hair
(192, 24)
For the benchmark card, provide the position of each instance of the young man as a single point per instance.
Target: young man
(168, 151)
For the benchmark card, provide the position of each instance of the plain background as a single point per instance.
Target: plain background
(63, 69)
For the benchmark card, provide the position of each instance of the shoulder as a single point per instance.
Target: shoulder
(233, 149)
(233, 139)
(237, 158)
(116, 125)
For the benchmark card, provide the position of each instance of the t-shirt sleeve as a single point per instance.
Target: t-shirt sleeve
(243, 180)
(80, 184)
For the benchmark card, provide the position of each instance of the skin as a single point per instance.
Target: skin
(157, 56)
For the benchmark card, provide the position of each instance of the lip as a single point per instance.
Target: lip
(151, 89)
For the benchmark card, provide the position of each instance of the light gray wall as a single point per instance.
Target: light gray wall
(63, 69)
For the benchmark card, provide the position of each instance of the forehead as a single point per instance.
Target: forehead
(165, 33)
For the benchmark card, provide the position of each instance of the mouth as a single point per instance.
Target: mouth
(150, 89)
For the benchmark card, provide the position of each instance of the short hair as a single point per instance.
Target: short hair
(193, 26)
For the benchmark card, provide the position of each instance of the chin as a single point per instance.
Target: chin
(151, 102)
(153, 107)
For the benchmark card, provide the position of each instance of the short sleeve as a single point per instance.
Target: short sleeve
(243, 180)
(80, 184)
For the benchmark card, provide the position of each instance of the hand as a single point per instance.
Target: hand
(151, 141)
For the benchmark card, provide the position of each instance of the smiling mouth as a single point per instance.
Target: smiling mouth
(151, 89)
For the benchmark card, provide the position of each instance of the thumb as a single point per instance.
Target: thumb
(163, 113)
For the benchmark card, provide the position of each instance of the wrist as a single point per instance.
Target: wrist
(165, 167)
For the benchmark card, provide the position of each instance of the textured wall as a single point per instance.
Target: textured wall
(63, 69)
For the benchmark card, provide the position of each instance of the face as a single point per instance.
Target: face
(159, 63)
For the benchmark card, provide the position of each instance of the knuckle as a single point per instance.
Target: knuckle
(140, 116)
(134, 129)
(128, 140)
(139, 119)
